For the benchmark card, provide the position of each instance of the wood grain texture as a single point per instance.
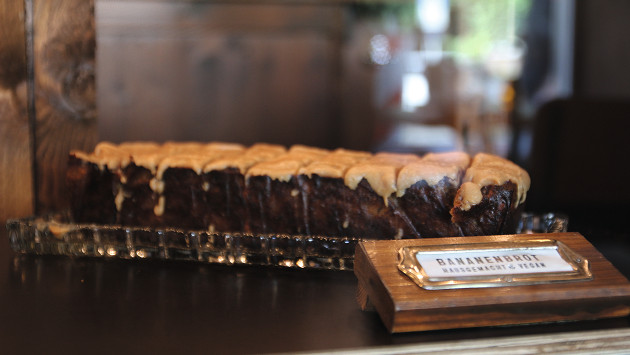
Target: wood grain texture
(404, 306)
(608, 341)
(16, 180)
(230, 72)
(64, 52)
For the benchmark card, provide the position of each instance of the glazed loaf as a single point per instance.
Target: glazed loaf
(301, 190)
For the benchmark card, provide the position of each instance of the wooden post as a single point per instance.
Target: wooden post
(47, 100)
(63, 51)
(16, 179)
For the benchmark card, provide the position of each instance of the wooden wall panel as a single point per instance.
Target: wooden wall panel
(63, 54)
(16, 187)
(218, 71)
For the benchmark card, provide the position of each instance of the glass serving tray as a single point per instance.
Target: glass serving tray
(53, 235)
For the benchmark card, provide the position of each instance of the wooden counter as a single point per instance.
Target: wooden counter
(60, 305)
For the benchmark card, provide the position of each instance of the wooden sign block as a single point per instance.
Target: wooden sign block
(404, 306)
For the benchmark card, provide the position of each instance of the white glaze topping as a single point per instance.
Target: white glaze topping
(487, 169)
(397, 159)
(468, 195)
(149, 160)
(380, 172)
(119, 199)
(243, 161)
(174, 147)
(432, 168)
(281, 169)
(158, 210)
(286, 166)
(105, 155)
(194, 161)
(200, 148)
(335, 164)
(136, 147)
(309, 151)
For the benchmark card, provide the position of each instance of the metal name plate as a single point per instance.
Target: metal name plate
(492, 264)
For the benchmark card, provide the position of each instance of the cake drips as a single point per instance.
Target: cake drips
(389, 175)
(487, 169)
(433, 168)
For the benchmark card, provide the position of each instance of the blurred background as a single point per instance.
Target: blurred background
(420, 75)
(541, 82)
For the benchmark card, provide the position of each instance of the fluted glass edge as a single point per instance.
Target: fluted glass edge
(52, 236)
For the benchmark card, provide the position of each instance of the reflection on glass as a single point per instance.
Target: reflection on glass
(456, 71)
(415, 91)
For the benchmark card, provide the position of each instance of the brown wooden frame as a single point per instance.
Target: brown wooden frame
(47, 102)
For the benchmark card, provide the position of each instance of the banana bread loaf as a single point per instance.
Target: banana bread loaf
(302, 190)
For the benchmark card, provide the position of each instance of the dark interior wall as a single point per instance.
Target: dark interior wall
(246, 73)
(580, 143)
(602, 49)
